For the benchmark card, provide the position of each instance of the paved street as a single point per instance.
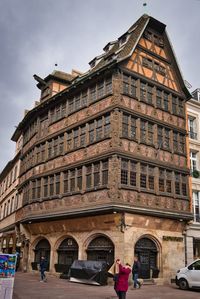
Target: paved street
(27, 286)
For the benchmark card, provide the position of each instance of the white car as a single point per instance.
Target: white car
(189, 277)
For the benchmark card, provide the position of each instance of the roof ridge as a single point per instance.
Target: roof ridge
(144, 16)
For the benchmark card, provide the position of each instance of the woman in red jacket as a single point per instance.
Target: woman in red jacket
(122, 281)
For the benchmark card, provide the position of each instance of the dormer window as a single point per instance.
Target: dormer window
(107, 48)
(110, 57)
(196, 94)
(92, 63)
(122, 40)
(96, 60)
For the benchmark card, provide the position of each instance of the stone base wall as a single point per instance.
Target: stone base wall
(124, 230)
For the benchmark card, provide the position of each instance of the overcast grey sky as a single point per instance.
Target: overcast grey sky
(36, 34)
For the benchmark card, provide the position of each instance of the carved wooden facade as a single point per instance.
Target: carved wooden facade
(112, 143)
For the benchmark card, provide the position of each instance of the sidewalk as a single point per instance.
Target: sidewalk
(28, 286)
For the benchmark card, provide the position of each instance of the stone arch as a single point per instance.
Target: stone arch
(37, 239)
(42, 248)
(94, 235)
(148, 250)
(63, 237)
(152, 238)
(67, 251)
(100, 247)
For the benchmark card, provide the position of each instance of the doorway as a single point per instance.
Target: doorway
(67, 253)
(146, 250)
(43, 248)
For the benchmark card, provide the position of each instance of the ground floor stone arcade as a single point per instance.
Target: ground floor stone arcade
(158, 242)
(61, 253)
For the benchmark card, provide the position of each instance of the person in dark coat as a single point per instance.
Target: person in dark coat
(136, 272)
(122, 281)
(43, 268)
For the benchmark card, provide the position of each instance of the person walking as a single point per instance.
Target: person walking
(43, 268)
(122, 281)
(136, 272)
(116, 274)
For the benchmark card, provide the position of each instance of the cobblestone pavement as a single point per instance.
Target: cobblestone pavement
(28, 286)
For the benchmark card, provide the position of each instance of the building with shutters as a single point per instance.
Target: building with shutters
(104, 164)
(10, 202)
(193, 230)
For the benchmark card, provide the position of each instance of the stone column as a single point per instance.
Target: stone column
(52, 261)
(25, 251)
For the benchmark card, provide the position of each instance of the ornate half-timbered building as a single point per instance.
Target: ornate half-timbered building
(104, 167)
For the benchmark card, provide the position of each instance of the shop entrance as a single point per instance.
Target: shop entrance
(146, 251)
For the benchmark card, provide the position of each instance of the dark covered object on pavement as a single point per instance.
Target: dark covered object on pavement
(90, 272)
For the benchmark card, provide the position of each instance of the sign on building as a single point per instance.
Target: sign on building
(7, 274)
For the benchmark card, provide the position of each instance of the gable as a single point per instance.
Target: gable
(153, 60)
(144, 49)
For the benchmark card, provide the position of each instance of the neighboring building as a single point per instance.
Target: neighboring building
(9, 203)
(193, 230)
(104, 164)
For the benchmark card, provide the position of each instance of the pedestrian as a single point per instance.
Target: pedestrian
(43, 268)
(116, 274)
(122, 280)
(136, 272)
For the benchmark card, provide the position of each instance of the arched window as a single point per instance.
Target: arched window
(101, 249)
(67, 251)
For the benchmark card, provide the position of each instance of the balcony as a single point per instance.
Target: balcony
(192, 135)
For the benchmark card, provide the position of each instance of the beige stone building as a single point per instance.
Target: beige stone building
(10, 202)
(193, 230)
(104, 164)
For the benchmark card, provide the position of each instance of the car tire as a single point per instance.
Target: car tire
(183, 284)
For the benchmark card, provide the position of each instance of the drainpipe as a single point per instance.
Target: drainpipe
(185, 245)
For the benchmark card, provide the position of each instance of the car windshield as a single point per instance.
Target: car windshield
(195, 266)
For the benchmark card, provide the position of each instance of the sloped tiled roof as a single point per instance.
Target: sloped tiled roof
(115, 52)
(119, 51)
